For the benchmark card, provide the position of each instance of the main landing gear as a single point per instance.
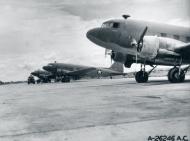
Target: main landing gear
(142, 76)
(177, 75)
(65, 79)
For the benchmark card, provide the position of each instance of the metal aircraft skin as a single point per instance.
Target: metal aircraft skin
(44, 76)
(67, 71)
(135, 41)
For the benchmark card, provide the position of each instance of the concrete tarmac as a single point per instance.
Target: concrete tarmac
(95, 110)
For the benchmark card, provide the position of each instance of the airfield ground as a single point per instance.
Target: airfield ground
(94, 110)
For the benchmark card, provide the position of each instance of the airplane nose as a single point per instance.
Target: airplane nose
(45, 68)
(33, 73)
(93, 33)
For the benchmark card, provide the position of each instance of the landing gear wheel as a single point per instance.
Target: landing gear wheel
(57, 79)
(65, 79)
(174, 76)
(38, 81)
(75, 77)
(141, 77)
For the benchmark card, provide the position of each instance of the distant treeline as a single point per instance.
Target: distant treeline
(12, 82)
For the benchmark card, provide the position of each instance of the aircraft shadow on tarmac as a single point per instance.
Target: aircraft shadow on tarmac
(149, 83)
(162, 82)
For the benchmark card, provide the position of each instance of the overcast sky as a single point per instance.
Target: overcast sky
(36, 32)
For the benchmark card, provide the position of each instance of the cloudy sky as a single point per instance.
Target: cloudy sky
(36, 32)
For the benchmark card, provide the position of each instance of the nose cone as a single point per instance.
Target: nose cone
(34, 73)
(93, 33)
(47, 68)
(101, 36)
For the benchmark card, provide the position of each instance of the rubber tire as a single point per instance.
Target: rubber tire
(65, 79)
(141, 77)
(170, 75)
(38, 81)
(174, 77)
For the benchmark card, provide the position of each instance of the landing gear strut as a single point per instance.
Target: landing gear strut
(176, 75)
(142, 76)
(65, 79)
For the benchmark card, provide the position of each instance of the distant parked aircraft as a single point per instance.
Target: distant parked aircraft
(44, 76)
(65, 72)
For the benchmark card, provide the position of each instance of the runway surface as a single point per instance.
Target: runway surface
(94, 110)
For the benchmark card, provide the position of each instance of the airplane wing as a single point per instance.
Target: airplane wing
(184, 50)
(81, 72)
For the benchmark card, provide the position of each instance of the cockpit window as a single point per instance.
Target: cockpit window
(111, 25)
(50, 64)
(106, 25)
(115, 25)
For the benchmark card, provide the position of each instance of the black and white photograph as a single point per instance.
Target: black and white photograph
(89, 70)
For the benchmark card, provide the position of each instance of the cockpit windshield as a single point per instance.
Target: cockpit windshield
(50, 64)
(111, 25)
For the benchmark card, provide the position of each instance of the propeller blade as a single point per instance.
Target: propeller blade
(109, 52)
(112, 56)
(105, 53)
(140, 42)
(142, 35)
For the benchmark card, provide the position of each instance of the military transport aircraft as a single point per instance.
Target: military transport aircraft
(44, 76)
(148, 43)
(65, 72)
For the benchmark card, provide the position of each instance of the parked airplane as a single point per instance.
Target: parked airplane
(147, 43)
(65, 72)
(44, 76)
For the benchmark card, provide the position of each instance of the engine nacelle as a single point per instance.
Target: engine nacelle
(149, 48)
(153, 46)
(169, 43)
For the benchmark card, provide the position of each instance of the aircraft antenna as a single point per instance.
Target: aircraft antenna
(126, 16)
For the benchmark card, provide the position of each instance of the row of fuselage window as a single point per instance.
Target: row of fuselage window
(177, 37)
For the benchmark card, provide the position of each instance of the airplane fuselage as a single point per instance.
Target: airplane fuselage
(160, 41)
(78, 71)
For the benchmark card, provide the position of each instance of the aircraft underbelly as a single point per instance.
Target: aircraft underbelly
(119, 48)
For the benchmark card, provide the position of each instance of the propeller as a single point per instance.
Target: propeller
(111, 53)
(139, 44)
(107, 52)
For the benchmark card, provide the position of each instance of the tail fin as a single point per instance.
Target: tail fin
(116, 66)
